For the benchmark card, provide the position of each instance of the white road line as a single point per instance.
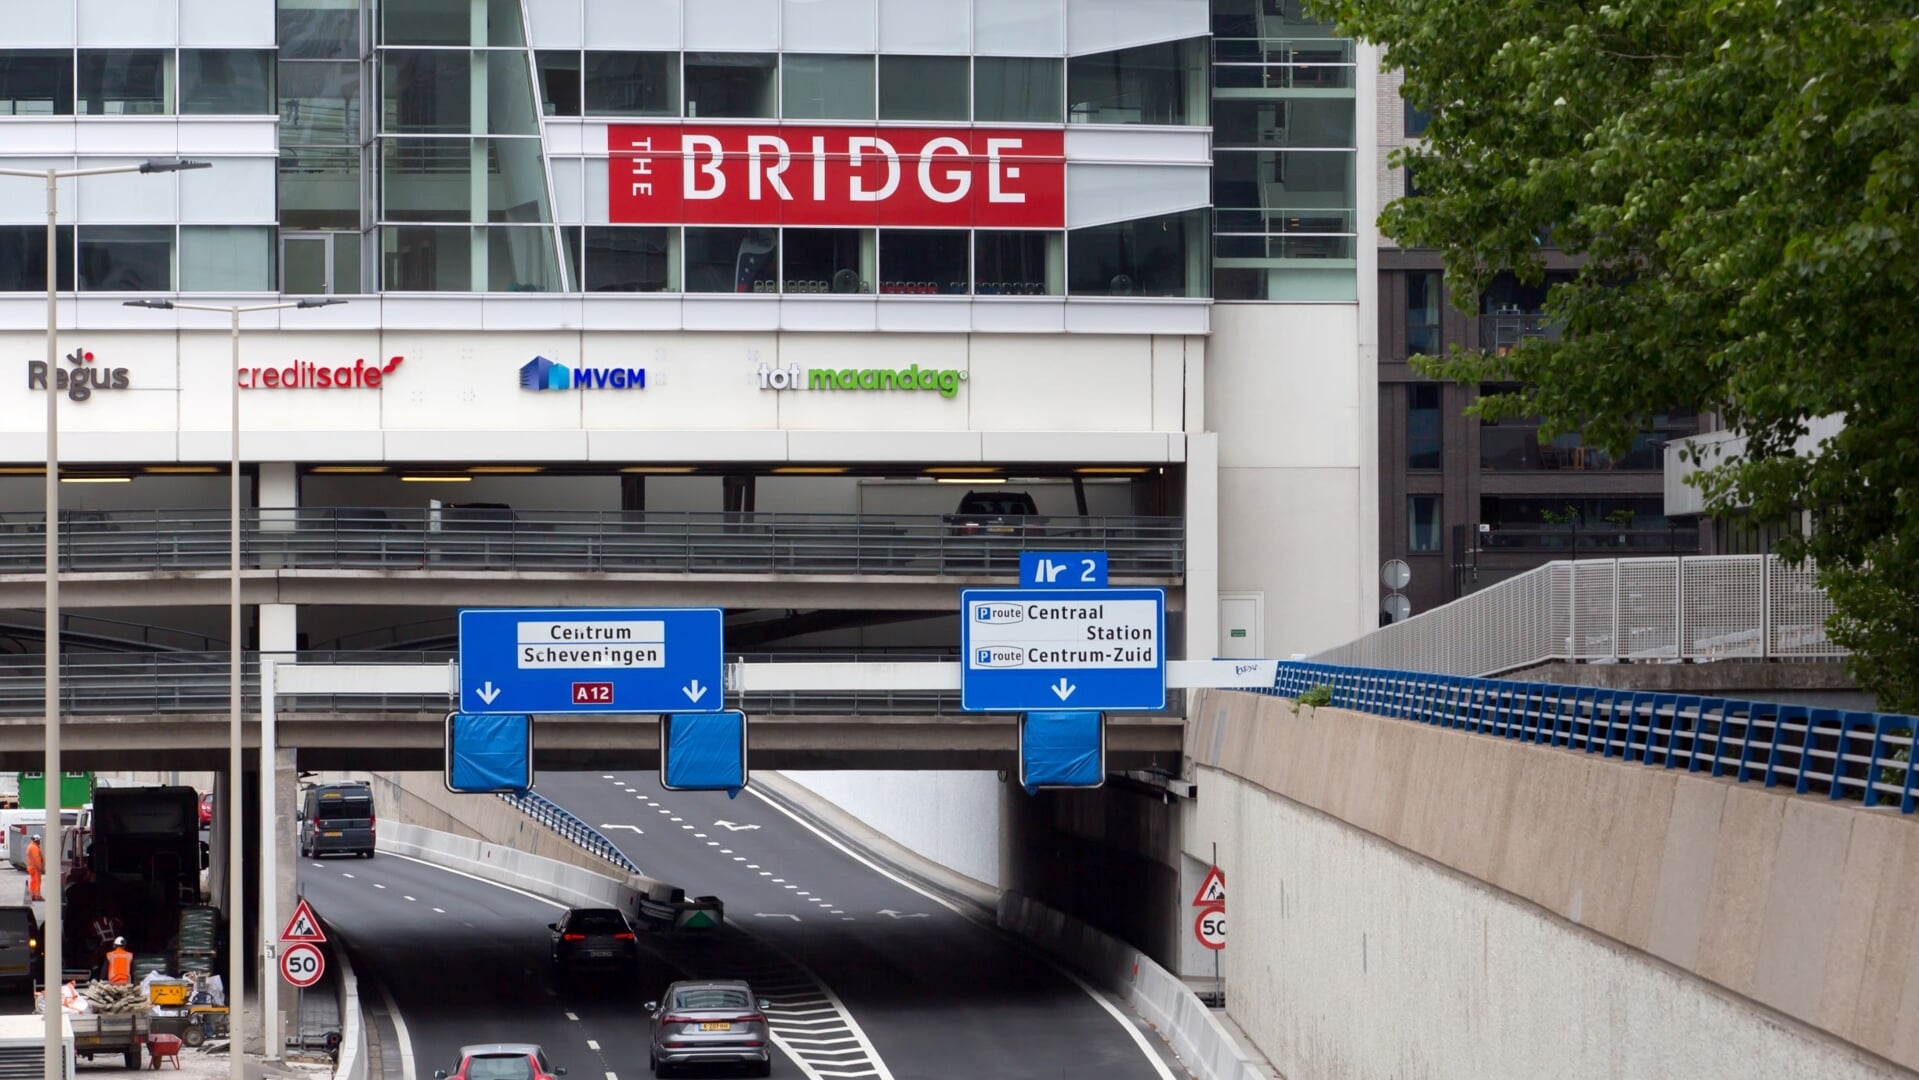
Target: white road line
(739, 858)
(481, 880)
(439, 911)
(752, 866)
(766, 873)
(572, 1017)
(410, 900)
(726, 851)
(675, 819)
(344, 874)
(606, 776)
(377, 885)
(399, 1027)
(702, 836)
(1139, 1039)
(593, 1046)
(779, 881)
(710, 843)
(610, 1076)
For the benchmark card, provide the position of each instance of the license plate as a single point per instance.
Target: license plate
(598, 952)
(333, 834)
(716, 1027)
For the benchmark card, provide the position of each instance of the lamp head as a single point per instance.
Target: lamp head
(160, 165)
(157, 305)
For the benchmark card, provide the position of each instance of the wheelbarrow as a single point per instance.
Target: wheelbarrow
(162, 1049)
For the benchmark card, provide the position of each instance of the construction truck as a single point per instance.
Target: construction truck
(139, 868)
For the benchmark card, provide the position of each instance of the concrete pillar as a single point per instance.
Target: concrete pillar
(277, 493)
(1202, 546)
(278, 638)
(1366, 105)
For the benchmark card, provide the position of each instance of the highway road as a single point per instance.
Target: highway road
(869, 978)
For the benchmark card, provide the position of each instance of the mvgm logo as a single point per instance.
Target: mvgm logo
(540, 373)
(998, 613)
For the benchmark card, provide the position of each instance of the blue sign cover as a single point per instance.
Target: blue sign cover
(703, 752)
(1025, 649)
(1062, 750)
(487, 755)
(591, 660)
(1062, 569)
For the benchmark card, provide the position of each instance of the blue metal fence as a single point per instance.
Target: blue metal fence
(1839, 753)
(557, 818)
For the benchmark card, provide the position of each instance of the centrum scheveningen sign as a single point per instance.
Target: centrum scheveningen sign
(944, 381)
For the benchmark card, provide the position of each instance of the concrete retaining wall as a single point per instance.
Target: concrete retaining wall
(541, 876)
(422, 799)
(1639, 922)
(952, 818)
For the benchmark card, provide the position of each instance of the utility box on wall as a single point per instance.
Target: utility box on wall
(76, 790)
(1241, 615)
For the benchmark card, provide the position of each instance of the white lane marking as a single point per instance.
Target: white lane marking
(316, 866)
(687, 827)
(766, 873)
(701, 835)
(399, 1028)
(803, 892)
(635, 828)
(377, 885)
(752, 866)
(664, 810)
(779, 881)
(837, 911)
(1119, 1018)
(481, 880)
(739, 858)
(592, 1045)
(792, 886)
(675, 819)
(343, 873)
(710, 843)
(439, 911)
(606, 776)
(572, 1017)
(610, 1076)
(726, 851)
(411, 900)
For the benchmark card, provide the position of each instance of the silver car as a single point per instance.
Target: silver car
(709, 1022)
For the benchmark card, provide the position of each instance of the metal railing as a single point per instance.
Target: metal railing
(1838, 753)
(1706, 607)
(570, 828)
(587, 541)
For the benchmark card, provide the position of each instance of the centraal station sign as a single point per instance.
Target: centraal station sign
(792, 174)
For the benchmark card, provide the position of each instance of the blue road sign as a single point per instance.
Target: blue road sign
(1062, 569)
(1062, 750)
(1026, 649)
(487, 755)
(703, 751)
(591, 660)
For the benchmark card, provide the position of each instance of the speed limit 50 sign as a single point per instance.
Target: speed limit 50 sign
(1210, 927)
(302, 964)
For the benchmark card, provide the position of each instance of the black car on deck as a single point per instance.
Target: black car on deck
(593, 938)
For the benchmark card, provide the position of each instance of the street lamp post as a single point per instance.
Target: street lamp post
(53, 1055)
(236, 882)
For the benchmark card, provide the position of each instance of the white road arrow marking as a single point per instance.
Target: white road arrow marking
(730, 827)
(635, 828)
(1064, 689)
(891, 914)
(693, 691)
(775, 915)
(488, 692)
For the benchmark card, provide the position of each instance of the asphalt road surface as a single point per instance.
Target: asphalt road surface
(937, 995)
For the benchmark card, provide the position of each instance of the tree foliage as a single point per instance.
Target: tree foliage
(1739, 178)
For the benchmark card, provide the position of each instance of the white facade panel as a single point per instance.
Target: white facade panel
(208, 136)
(925, 315)
(135, 137)
(829, 26)
(1097, 315)
(1094, 26)
(235, 191)
(486, 446)
(597, 177)
(1122, 143)
(23, 200)
(830, 313)
(1299, 358)
(1021, 384)
(427, 312)
(1021, 317)
(1102, 194)
(737, 26)
(557, 24)
(631, 311)
(634, 24)
(566, 137)
(1131, 447)
(229, 24)
(1019, 27)
(40, 24)
(692, 382)
(125, 24)
(569, 189)
(913, 446)
(129, 197)
(672, 446)
(113, 447)
(36, 137)
(915, 26)
(720, 311)
(548, 314)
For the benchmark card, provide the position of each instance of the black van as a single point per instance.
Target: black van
(337, 819)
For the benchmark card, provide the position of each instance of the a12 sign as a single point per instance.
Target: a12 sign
(592, 693)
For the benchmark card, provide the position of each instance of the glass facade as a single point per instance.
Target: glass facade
(1285, 219)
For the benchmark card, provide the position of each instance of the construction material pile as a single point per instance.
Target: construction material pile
(115, 999)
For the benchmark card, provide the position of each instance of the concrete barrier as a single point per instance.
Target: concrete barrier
(1196, 1035)
(557, 881)
(351, 1064)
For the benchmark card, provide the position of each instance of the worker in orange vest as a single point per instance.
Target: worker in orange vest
(120, 963)
(36, 869)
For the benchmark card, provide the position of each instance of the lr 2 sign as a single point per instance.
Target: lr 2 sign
(302, 964)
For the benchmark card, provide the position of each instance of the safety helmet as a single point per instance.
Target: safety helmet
(119, 942)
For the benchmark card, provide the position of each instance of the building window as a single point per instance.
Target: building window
(319, 29)
(227, 258)
(23, 258)
(724, 260)
(1422, 519)
(319, 104)
(125, 82)
(827, 87)
(427, 258)
(320, 187)
(36, 82)
(559, 82)
(924, 87)
(722, 85)
(1162, 83)
(226, 82)
(1158, 256)
(126, 258)
(427, 91)
(451, 22)
(923, 262)
(1417, 120)
(1019, 263)
(631, 259)
(632, 84)
(519, 259)
(1423, 425)
(1422, 313)
(828, 260)
(425, 180)
(1018, 90)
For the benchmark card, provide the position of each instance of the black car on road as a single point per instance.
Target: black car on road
(593, 938)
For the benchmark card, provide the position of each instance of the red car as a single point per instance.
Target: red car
(501, 1061)
(206, 809)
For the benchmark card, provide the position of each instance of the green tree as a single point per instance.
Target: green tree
(1738, 178)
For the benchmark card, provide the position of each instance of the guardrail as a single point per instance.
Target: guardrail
(590, 541)
(562, 822)
(1843, 754)
(1707, 607)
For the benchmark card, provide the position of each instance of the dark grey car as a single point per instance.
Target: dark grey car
(709, 1022)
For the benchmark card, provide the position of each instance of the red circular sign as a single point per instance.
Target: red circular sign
(1210, 928)
(302, 964)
